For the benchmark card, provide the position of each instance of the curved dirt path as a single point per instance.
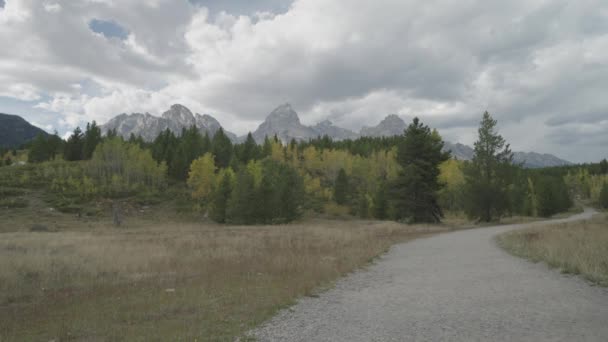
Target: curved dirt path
(451, 287)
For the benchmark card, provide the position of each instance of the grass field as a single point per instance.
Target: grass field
(160, 280)
(575, 248)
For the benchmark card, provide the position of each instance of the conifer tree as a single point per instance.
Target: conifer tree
(414, 192)
(39, 150)
(92, 137)
(381, 202)
(249, 150)
(73, 147)
(488, 175)
(222, 149)
(603, 199)
(604, 167)
(221, 197)
(341, 188)
(242, 203)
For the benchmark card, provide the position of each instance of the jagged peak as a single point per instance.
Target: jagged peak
(178, 110)
(393, 118)
(324, 123)
(284, 111)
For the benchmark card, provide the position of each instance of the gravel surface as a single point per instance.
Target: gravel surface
(451, 287)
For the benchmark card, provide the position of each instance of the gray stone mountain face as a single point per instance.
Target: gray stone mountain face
(527, 159)
(285, 124)
(393, 125)
(327, 128)
(175, 119)
(390, 126)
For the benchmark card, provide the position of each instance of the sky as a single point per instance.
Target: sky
(539, 67)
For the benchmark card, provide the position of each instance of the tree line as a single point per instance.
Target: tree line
(406, 178)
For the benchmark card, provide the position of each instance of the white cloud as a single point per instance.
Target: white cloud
(532, 63)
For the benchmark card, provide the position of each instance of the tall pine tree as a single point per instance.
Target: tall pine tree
(73, 147)
(488, 175)
(222, 149)
(414, 192)
(341, 188)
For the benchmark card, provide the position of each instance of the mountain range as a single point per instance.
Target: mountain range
(284, 122)
(15, 131)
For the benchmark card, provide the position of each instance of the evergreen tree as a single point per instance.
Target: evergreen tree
(488, 175)
(551, 195)
(604, 167)
(414, 194)
(381, 202)
(189, 146)
(39, 150)
(221, 197)
(74, 145)
(222, 149)
(249, 150)
(267, 147)
(242, 203)
(603, 199)
(341, 188)
(92, 138)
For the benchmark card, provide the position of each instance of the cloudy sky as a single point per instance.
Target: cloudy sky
(540, 67)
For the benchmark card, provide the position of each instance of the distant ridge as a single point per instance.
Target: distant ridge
(16, 131)
(175, 119)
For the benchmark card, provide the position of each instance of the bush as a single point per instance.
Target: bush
(9, 192)
(13, 203)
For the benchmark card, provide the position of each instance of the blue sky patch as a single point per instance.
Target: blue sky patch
(108, 28)
(244, 7)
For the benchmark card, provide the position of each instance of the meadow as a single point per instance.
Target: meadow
(575, 248)
(160, 278)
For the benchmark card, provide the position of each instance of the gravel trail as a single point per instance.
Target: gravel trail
(451, 287)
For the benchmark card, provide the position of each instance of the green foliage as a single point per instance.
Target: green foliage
(277, 198)
(13, 203)
(189, 146)
(221, 197)
(74, 146)
(92, 138)
(201, 178)
(222, 149)
(381, 206)
(119, 168)
(551, 196)
(44, 148)
(242, 203)
(341, 188)
(489, 174)
(414, 192)
(603, 167)
(603, 199)
(249, 150)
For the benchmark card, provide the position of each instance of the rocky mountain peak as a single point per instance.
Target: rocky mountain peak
(324, 123)
(284, 114)
(179, 114)
(389, 126)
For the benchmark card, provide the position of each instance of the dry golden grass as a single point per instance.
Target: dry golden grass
(576, 248)
(174, 281)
